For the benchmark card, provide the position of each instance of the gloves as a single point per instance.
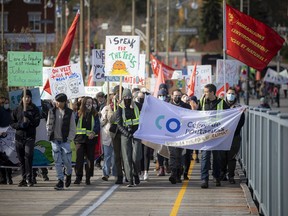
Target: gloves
(24, 125)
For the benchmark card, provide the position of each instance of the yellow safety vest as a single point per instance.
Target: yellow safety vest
(80, 130)
(219, 105)
(130, 122)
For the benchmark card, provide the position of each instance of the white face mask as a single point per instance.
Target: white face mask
(230, 97)
(6, 106)
(89, 106)
(163, 98)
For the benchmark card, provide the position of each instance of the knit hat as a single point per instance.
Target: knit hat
(162, 92)
(194, 98)
(61, 97)
(127, 93)
(28, 93)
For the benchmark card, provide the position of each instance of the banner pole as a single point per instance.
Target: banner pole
(224, 43)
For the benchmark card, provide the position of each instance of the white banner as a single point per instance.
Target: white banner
(164, 123)
(276, 78)
(67, 79)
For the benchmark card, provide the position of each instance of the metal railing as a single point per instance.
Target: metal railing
(264, 155)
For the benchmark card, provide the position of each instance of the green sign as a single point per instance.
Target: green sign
(25, 68)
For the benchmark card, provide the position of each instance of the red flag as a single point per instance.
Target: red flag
(155, 64)
(221, 92)
(64, 53)
(191, 86)
(249, 40)
(90, 81)
(160, 80)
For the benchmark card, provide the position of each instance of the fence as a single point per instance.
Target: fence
(264, 157)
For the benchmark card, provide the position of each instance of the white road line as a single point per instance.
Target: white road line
(99, 201)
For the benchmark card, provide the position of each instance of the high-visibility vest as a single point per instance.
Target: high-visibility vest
(130, 122)
(80, 130)
(219, 105)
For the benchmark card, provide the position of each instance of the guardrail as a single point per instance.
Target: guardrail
(263, 157)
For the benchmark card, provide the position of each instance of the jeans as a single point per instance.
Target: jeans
(206, 164)
(62, 154)
(109, 161)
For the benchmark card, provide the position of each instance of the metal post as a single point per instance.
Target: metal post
(148, 38)
(133, 18)
(155, 25)
(88, 33)
(82, 39)
(167, 32)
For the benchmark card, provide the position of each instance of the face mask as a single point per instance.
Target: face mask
(230, 97)
(127, 102)
(141, 100)
(89, 106)
(6, 106)
(163, 98)
(177, 99)
(95, 106)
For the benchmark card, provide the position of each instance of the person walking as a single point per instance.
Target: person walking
(25, 122)
(127, 118)
(228, 158)
(210, 102)
(87, 129)
(61, 129)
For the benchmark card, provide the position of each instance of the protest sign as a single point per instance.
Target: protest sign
(122, 55)
(25, 68)
(67, 79)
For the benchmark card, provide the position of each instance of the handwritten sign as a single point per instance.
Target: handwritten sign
(122, 55)
(98, 65)
(67, 79)
(25, 68)
(91, 91)
(231, 72)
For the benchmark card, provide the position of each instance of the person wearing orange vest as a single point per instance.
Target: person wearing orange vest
(87, 129)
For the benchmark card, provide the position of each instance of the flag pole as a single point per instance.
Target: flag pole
(224, 43)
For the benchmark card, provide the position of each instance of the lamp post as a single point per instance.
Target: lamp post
(82, 39)
(148, 38)
(167, 31)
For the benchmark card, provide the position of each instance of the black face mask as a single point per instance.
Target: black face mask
(127, 102)
(141, 100)
(177, 100)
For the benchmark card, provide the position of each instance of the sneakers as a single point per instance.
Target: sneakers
(197, 160)
(30, 183)
(161, 171)
(34, 181)
(217, 182)
(186, 177)
(45, 177)
(172, 179)
(204, 184)
(131, 184)
(77, 180)
(119, 180)
(10, 182)
(59, 185)
(105, 178)
(145, 176)
(68, 180)
(137, 180)
(22, 183)
(87, 181)
(232, 181)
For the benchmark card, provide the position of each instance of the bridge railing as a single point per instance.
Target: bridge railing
(264, 159)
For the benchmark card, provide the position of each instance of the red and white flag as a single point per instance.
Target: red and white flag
(160, 80)
(249, 40)
(191, 86)
(63, 57)
(155, 64)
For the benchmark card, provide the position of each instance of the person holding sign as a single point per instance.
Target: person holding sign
(61, 129)
(25, 122)
(88, 127)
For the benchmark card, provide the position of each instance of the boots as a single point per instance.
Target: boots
(161, 171)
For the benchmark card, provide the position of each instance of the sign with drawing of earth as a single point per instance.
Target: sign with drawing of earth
(122, 55)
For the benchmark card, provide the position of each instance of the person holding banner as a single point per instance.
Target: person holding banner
(210, 102)
(127, 118)
(61, 129)
(87, 129)
(228, 158)
(175, 159)
(25, 121)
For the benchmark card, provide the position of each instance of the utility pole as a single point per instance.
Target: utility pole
(155, 25)
(82, 40)
(167, 31)
(88, 32)
(148, 38)
(133, 18)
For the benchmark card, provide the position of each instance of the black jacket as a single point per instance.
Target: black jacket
(33, 120)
